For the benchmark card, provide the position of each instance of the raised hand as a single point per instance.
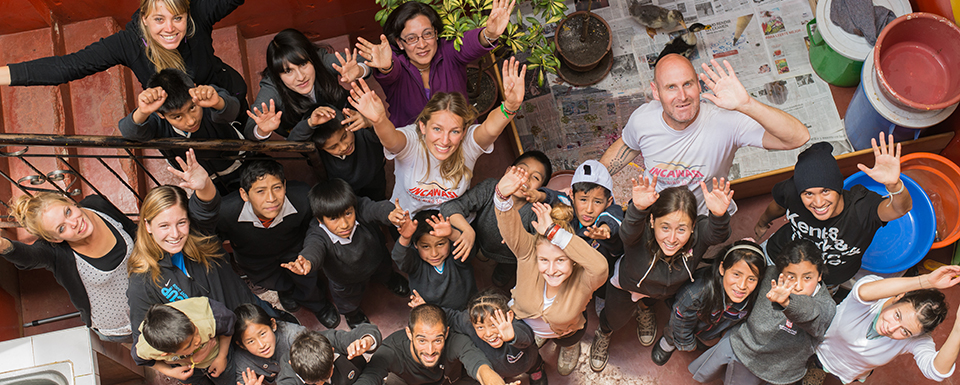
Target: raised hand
(398, 215)
(193, 176)
(464, 244)
(718, 199)
(441, 226)
(499, 18)
(408, 226)
(377, 55)
(513, 83)
(348, 69)
(512, 180)
(367, 102)
(415, 300)
(206, 96)
(300, 266)
(360, 346)
(886, 167)
(644, 192)
(598, 232)
(150, 100)
(354, 120)
(267, 118)
(780, 290)
(728, 92)
(942, 278)
(544, 223)
(250, 378)
(321, 115)
(504, 324)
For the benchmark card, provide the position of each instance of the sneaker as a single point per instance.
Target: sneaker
(814, 376)
(539, 341)
(356, 318)
(660, 356)
(538, 378)
(598, 350)
(287, 302)
(568, 359)
(646, 326)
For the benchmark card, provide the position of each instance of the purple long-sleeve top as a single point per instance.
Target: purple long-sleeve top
(448, 73)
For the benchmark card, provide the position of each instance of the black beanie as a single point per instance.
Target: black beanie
(816, 167)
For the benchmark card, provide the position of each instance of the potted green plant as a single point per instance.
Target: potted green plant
(526, 34)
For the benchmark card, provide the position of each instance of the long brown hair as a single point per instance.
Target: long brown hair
(163, 58)
(29, 209)
(454, 168)
(147, 253)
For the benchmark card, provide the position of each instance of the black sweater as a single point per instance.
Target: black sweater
(357, 261)
(251, 247)
(662, 279)
(59, 259)
(127, 47)
(451, 289)
(215, 124)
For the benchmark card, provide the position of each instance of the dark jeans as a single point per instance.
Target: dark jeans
(619, 308)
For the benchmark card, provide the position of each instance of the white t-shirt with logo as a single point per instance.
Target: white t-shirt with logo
(700, 152)
(420, 187)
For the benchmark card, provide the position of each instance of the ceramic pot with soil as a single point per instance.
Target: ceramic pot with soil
(581, 46)
(483, 92)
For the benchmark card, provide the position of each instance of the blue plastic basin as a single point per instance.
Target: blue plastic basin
(904, 242)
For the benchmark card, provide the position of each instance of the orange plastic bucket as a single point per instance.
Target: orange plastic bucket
(939, 178)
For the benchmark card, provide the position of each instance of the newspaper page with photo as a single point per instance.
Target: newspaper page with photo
(764, 41)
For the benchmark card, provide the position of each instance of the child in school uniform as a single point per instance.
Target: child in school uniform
(423, 252)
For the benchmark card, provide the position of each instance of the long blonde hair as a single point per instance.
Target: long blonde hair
(29, 209)
(163, 58)
(454, 168)
(147, 253)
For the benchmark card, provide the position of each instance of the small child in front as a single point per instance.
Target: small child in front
(437, 278)
(346, 242)
(188, 340)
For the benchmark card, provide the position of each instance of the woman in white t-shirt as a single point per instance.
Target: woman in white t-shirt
(440, 167)
(883, 318)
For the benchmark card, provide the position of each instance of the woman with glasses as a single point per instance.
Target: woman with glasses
(413, 64)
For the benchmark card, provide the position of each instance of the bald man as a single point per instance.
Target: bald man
(684, 142)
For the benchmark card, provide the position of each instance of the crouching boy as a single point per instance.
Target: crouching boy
(188, 340)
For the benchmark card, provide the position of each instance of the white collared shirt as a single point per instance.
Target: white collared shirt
(338, 239)
(247, 214)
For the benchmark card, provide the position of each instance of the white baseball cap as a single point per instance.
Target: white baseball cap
(594, 172)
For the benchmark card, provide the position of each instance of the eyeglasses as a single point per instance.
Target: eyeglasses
(427, 35)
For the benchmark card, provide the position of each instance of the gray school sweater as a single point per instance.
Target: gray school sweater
(776, 342)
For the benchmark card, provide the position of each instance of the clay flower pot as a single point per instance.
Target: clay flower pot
(583, 51)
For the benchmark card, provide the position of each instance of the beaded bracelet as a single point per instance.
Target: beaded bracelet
(500, 195)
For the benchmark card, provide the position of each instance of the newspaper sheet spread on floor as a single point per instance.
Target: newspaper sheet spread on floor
(764, 40)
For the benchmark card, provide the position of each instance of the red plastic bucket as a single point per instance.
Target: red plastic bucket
(917, 57)
(940, 179)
